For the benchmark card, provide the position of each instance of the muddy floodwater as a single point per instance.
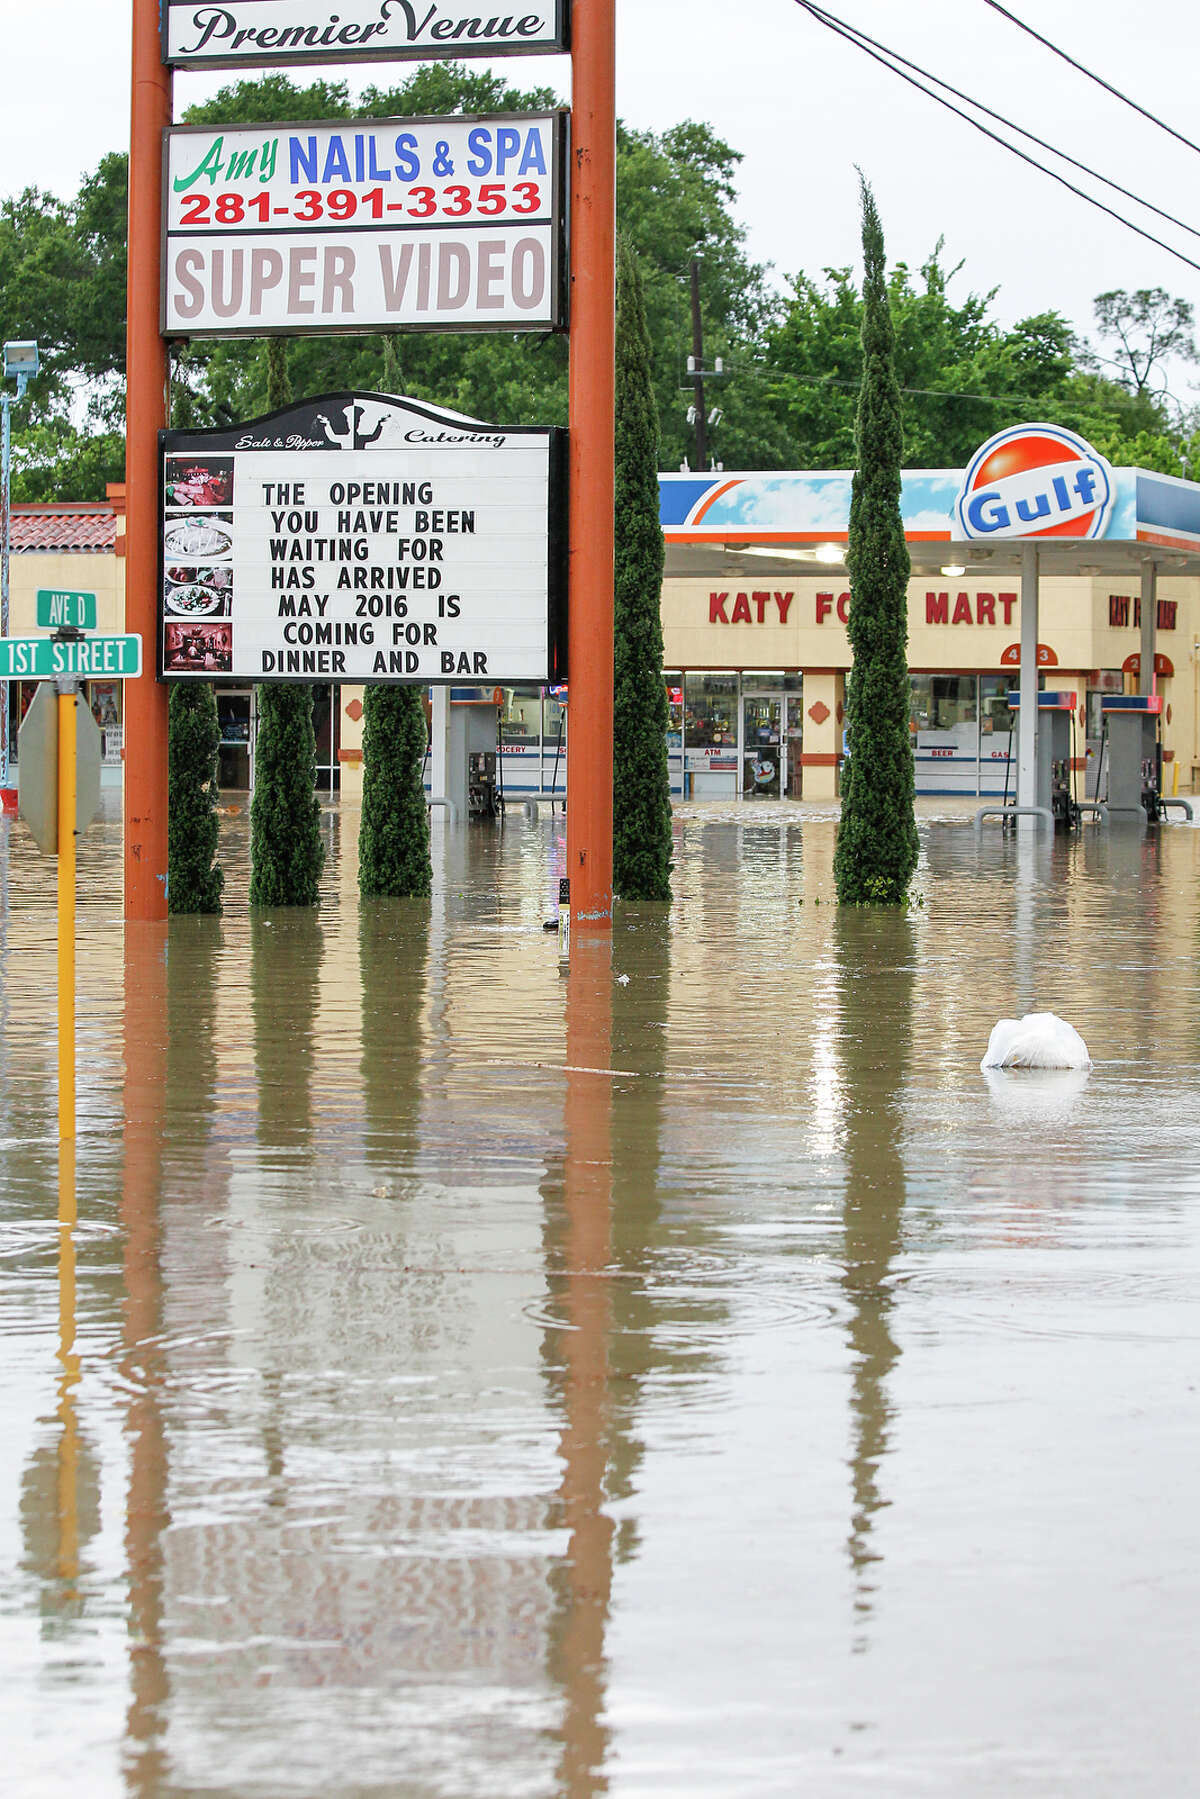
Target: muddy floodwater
(687, 1376)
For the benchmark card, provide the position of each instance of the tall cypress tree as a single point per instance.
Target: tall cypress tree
(194, 877)
(877, 838)
(286, 852)
(641, 783)
(393, 838)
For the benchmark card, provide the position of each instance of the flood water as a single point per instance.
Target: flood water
(688, 1376)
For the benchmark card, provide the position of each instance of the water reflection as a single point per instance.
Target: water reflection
(60, 1488)
(393, 947)
(875, 955)
(513, 1406)
(142, 1363)
(580, 1220)
(286, 951)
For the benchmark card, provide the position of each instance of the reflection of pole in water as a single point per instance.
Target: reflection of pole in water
(60, 1485)
(585, 1577)
(145, 1026)
(875, 952)
(68, 1441)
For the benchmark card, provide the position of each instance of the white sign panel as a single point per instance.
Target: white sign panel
(257, 33)
(429, 224)
(359, 538)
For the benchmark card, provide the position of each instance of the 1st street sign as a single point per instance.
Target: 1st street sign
(86, 658)
(61, 609)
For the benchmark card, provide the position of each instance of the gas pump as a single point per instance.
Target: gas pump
(1132, 737)
(483, 797)
(1055, 773)
(474, 779)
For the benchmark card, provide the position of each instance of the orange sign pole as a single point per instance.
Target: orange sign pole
(145, 416)
(590, 618)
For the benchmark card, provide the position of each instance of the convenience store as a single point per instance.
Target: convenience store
(756, 601)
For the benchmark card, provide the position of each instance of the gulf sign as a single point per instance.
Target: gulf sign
(1035, 481)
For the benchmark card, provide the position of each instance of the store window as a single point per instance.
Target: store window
(710, 711)
(233, 718)
(105, 699)
(521, 719)
(1107, 680)
(942, 703)
(554, 721)
(674, 685)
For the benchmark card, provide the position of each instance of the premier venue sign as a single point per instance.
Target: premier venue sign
(362, 537)
(257, 33)
(428, 224)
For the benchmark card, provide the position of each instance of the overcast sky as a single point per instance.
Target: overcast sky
(803, 108)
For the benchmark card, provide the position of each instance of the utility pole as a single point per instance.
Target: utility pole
(697, 374)
(592, 385)
(146, 415)
(696, 370)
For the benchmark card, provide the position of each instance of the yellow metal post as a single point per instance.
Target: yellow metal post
(67, 703)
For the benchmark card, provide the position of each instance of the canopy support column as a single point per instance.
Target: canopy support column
(1027, 717)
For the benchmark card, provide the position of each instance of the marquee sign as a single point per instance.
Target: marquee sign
(257, 33)
(428, 224)
(363, 537)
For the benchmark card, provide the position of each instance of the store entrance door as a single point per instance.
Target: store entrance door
(763, 746)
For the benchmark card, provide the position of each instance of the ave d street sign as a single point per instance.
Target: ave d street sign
(65, 609)
(43, 658)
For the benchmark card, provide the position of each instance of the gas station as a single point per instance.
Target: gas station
(1038, 561)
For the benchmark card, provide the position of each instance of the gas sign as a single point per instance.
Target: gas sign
(1036, 481)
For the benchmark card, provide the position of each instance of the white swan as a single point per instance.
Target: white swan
(1039, 1040)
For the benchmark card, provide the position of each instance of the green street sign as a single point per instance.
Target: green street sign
(87, 658)
(61, 608)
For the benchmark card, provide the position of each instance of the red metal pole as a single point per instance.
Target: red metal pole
(593, 307)
(145, 415)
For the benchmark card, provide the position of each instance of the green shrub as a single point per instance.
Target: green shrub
(194, 877)
(393, 838)
(286, 852)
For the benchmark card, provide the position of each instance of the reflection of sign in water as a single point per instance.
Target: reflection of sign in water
(253, 33)
(361, 537)
(450, 224)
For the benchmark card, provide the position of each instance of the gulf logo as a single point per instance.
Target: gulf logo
(1036, 481)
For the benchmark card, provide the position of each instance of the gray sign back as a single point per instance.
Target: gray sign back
(37, 767)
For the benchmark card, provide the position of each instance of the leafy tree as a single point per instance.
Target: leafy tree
(641, 784)
(877, 838)
(675, 194)
(286, 852)
(393, 838)
(962, 375)
(194, 877)
(1146, 327)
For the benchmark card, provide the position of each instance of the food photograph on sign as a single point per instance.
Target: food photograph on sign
(429, 224)
(197, 649)
(369, 538)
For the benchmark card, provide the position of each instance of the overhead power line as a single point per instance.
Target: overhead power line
(890, 60)
(1001, 119)
(1108, 87)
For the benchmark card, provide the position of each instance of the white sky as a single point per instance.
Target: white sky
(803, 107)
